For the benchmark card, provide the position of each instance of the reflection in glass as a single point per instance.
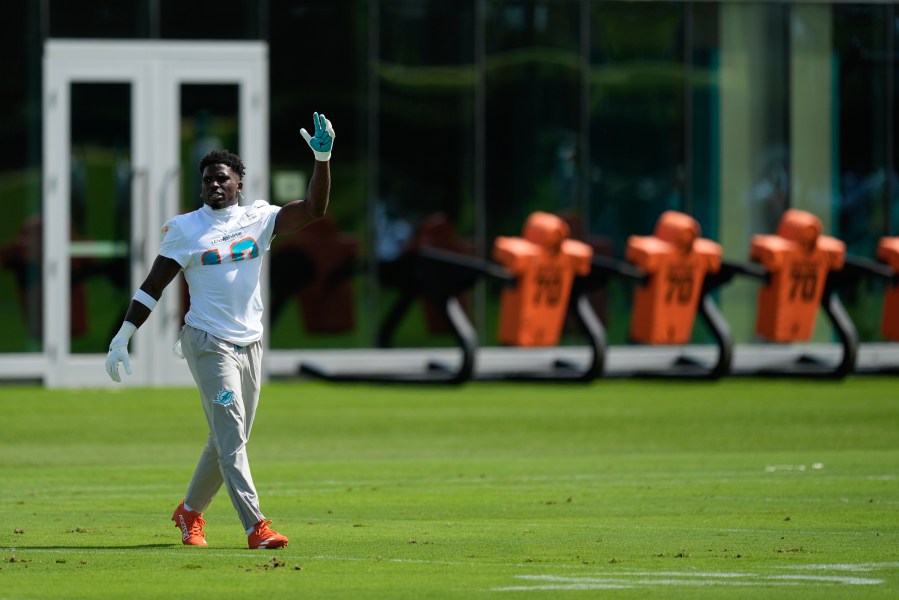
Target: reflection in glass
(426, 87)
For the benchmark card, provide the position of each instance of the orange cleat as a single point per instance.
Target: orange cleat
(191, 525)
(264, 538)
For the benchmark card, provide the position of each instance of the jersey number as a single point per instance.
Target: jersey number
(804, 282)
(680, 285)
(549, 286)
(245, 248)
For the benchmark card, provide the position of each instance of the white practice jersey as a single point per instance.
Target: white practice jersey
(220, 253)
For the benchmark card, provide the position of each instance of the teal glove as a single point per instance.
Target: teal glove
(323, 140)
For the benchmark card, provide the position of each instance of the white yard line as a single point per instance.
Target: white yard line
(633, 579)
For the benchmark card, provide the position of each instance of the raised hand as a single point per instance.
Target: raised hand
(323, 140)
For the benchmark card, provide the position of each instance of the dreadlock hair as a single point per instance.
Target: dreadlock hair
(223, 157)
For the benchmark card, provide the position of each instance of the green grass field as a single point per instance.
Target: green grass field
(744, 488)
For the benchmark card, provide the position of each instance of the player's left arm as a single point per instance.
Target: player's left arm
(295, 215)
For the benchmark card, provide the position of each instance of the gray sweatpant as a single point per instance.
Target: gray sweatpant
(228, 378)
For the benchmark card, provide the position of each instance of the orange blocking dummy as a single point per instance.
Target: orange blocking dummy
(545, 264)
(676, 260)
(888, 252)
(798, 259)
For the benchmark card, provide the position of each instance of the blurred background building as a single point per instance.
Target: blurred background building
(455, 121)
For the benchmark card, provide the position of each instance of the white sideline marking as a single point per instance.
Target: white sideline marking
(861, 567)
(633, 579)
(773, 468)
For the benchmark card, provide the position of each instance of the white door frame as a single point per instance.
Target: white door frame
(155, 70)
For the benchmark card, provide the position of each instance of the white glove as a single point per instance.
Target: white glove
(323, 140)
(177, 351)
(118, 351)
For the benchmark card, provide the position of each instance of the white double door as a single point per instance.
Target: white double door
(145, 81)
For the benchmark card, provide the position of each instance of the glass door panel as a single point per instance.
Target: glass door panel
(100, 209)
(209, 121)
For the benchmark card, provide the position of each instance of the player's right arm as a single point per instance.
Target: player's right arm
(161, 274)
(163, 271)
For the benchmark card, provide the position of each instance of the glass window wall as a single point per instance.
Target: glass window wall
(457, 120)
(864, 120)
